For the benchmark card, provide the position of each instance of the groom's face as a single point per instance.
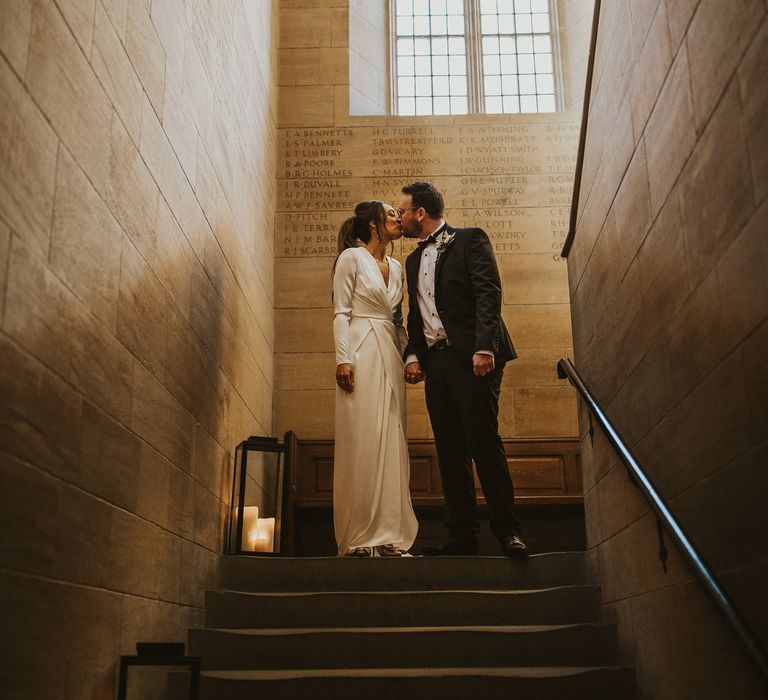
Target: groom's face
(409, 219)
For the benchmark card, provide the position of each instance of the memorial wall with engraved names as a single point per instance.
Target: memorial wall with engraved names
(514, 180)
(512, 175)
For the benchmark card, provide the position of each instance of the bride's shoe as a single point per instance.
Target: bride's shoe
(359, 552)
(390, 550)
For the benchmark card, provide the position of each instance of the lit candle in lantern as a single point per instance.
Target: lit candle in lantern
(250, 527)
(266, 540)
(258, 533)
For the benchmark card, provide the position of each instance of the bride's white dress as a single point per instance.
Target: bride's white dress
(371, 494)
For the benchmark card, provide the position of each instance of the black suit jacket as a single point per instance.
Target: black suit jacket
(468, 299)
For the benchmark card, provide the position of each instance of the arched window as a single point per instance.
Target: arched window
(473, 56)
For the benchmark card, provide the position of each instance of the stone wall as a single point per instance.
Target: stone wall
(510, 174)
(369, 32)
(575, 27)
(670, 318)
(136, 318)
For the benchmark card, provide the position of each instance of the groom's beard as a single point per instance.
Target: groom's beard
(414, 231)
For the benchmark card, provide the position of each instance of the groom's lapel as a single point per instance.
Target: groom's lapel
(441, 258)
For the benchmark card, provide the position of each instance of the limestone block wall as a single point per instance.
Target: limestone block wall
(369, 31)
(137, 145)
(670, 319)
(575, 27)
(510, 174)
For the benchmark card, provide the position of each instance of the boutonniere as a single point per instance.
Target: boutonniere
(444, 240)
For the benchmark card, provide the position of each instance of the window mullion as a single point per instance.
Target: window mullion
(474, 57)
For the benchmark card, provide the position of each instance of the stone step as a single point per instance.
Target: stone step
(405, 647)
(248, 573)
(567, 683)
(549, 606)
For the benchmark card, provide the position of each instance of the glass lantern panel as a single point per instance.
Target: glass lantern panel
(258, 471)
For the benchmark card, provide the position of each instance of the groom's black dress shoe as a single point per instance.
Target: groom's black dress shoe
(450, 548)
(513, 546)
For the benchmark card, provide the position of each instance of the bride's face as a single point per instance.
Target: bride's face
(392, 230)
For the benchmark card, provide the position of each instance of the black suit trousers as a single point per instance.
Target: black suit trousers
(464, 409)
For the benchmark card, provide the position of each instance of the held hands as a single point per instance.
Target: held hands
(413, 373)
(345, 377)
(483, 364)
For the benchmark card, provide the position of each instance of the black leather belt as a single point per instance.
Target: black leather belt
(442, 344)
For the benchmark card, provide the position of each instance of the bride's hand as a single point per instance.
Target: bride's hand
(345, 377)
(413, 373)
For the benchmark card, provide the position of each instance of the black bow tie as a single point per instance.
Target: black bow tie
(432, 237)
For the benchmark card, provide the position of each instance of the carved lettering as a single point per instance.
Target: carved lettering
(513, 180)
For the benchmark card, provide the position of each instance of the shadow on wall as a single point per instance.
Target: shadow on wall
(114, 464)
(131, 349)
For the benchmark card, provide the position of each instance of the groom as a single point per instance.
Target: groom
(459, 345)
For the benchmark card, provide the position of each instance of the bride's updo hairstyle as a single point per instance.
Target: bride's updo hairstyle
(357, 227)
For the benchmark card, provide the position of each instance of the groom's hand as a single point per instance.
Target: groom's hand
(483, 364)
(345, 377)
(413, 373)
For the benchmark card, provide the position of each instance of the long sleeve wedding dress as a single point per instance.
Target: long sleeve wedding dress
(371, 494)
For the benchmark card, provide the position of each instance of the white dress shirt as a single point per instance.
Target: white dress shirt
(433, 326)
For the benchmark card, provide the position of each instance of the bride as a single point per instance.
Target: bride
(372, 510)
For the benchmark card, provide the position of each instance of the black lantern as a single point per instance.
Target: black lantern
(258, 491)
(160, 654)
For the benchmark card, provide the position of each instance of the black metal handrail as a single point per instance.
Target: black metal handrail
(566, 370)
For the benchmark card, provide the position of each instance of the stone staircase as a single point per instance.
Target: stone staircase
(452, 627)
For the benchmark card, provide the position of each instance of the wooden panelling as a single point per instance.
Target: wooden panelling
(421, 476)
(543, 471)
(323, 473)
(538, 473)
